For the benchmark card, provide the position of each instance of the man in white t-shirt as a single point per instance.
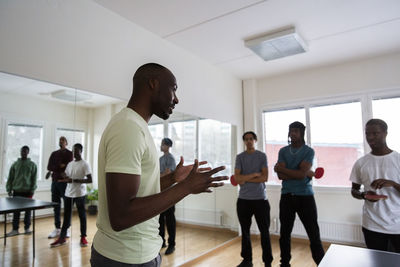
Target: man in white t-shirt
(131, 193)
(379, 173)
(77, 175)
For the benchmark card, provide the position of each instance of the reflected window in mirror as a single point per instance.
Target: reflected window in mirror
(19, 135)
(157, 132)
(184, 136)
(73, 136)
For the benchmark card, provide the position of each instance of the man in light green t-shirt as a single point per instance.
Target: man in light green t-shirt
(131, 193)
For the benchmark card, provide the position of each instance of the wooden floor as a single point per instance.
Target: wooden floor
(190, 243)
(229, 254)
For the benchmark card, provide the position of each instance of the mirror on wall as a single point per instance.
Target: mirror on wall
(37, 113)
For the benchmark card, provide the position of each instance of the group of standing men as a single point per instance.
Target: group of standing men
(378, 172)
(69, 179)
(132, 193)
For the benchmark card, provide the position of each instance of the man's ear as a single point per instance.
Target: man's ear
(153, 84)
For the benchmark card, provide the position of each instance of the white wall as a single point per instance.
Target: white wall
(82, 45)
(368, 75)
(19, 108)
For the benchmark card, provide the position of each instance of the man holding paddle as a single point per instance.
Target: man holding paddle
(294, 169)
(379, 173)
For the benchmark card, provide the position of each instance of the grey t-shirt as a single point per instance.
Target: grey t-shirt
(167, 161)
(251, 163)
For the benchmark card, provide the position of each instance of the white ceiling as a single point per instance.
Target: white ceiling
(12, 84)
(215, 30)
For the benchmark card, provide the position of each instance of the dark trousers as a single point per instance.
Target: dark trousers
(306, 209)
(168, 218)
(16, 215)
(381, 241)
(98, 260)
(80, 205)
(57, 193)
(260, 209)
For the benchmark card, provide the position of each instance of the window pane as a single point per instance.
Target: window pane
(276, 128)
(157, 132)
(389, 110)
(337, 138)
(215, 144)
(73, 137)
(19, 135)
(183, 135)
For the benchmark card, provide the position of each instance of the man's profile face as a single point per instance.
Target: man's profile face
(166, 99)
(77, 152)
(376, 136)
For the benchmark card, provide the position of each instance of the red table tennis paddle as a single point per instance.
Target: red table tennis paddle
(375, 197)
(233, 181)
(319, 172)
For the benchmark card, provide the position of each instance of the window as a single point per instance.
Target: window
(19, 135)
(388, 110)
(215, 144)
(73, 137)
(335, 132)
(276, 129)
(184, 137)
(157, 132)
(337, 139)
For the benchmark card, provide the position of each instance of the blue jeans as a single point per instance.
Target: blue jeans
(98, 260)
(306, 208)
(16, 215)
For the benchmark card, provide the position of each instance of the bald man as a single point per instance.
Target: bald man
(131, 193)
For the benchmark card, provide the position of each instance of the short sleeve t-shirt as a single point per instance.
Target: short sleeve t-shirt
(249, 163)
(77, 170)
(382, 216)
(167, 161)
(292, 157)
(127, 146)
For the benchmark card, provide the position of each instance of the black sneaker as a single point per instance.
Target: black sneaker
(169, 250)
(245, 263)
(164, 245)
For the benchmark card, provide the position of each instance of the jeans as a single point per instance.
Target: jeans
(260, 209)
(306, 209)
(98, 260)
(57, 193)
(168, 217)
(16, 215)
(80, 205)
(381, 241)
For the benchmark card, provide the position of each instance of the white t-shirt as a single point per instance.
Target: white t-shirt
(77, 170)
(382, 216)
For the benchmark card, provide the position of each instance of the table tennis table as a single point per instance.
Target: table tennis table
(343, 256)
(11, 204)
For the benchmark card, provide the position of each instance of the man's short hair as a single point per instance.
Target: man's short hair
(252, 133)
(146, 72)
(79, 146)
(25, 147)
(166, 141)
(381, 123)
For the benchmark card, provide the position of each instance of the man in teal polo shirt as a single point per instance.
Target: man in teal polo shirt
(294, 163)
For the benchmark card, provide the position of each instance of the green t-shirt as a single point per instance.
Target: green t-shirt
(126, 146)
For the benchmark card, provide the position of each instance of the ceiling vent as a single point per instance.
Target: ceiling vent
(71, 96)
(278, 44)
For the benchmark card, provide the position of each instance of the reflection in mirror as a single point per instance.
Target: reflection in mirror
(37, 113)
(207, 220)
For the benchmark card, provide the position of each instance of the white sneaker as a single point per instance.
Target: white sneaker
(13, 233)
(68, 233)
(56, 232)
